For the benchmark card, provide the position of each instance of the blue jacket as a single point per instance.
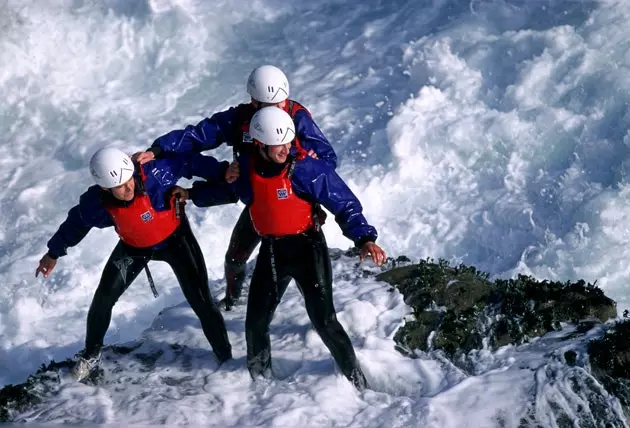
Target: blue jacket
(222, 127)
(312, 180)
(161, 176)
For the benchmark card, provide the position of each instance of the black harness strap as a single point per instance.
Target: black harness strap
(274, 271)
(150, 278)
(291, 168)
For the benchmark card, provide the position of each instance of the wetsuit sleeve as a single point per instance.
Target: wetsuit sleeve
(89, 213)
(205, 194)
(210, 194)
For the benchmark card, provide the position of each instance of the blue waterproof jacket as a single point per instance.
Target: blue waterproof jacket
(225, 126)
(312, 180)
(161, 176)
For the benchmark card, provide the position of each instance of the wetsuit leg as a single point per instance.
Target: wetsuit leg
(120, 271)
(263, 299)
(313, 275)
(243, 241)
(184, 256)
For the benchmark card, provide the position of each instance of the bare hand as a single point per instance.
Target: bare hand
(142, 157)
(374, 251)
(233, 172)
(182, 194)
(46, 266)
(312, 154)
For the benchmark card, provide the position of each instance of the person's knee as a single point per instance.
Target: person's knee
(257, 324)
(325, 323)
(252, 326)
(234, 264)
(238, 251)
(202, 312)
(106, 296)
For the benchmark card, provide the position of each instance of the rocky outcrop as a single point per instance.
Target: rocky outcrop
(610, 362)
(459, 309)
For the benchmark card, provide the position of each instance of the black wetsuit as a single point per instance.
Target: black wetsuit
(182, 252)
(306, 259)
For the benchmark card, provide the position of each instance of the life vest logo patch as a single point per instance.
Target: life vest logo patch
(122, 265)
(247, 138)
(146, 216)
(282, 193)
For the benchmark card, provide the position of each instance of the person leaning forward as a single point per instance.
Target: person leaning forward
(152, 225)
(280, 191)
(267, 86)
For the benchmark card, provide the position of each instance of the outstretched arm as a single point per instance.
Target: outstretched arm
(89, 213)
(317, 182)
(322, 184)
(208, 134)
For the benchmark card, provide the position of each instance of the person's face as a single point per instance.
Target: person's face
(125, 191)
(277, 154)
(259, 105)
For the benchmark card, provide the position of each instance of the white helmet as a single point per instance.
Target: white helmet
(110, 167)
(272, 126)
(268, 84)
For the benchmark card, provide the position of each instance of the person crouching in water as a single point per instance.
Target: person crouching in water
(139, 202)
(281, 192)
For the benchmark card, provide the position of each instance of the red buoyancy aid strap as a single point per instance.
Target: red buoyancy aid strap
(300, 152)
(143, 177)
(293, 107)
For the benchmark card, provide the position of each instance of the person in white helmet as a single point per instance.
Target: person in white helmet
(281, 190)
(267, 85)
(140, 203)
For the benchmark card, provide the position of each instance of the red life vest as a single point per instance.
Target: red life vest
(139, 224)
(275, 209)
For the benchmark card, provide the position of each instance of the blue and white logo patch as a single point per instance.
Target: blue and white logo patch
(146, 217)
(282, 193)
(247, 138)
